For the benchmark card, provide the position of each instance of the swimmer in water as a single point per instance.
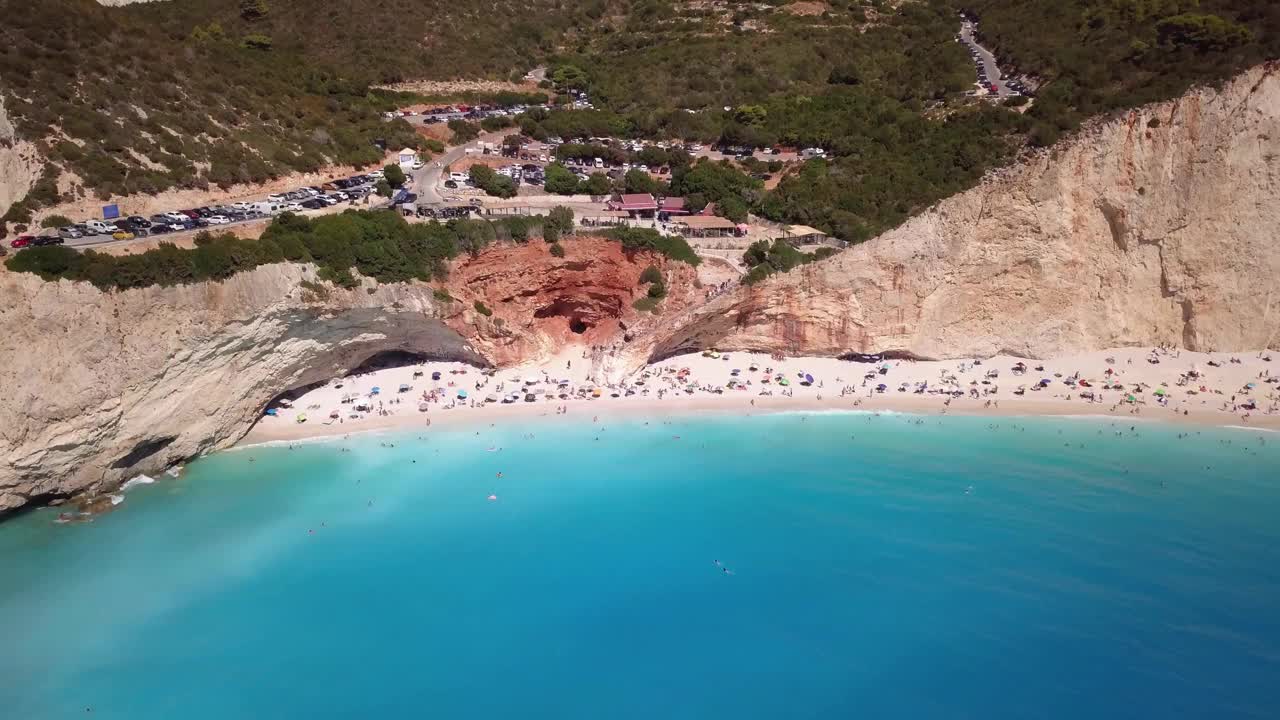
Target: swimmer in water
(499, 474)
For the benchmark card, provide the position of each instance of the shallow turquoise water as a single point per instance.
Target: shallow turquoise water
(883, 567)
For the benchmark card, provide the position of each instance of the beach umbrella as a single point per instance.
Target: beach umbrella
(882, 386)
(808, 378)
(1159, 391)
(1250, 385)
(405, 387)
(784, 381)
(1131, 398)
(273, 412)
(462, 394)
(302, 418)
(1045, 381)
(375, 390)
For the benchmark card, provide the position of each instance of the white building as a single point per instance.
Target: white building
(408, 158)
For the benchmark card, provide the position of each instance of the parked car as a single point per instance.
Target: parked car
(47, 240)
(218, 220)
(21, 241)
(69, 233)
(313, 204)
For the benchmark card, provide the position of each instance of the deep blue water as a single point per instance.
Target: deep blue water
(883, 567)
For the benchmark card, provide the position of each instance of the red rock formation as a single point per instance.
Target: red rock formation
(540, 302)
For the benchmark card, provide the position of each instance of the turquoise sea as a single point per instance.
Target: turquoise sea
(888, 566)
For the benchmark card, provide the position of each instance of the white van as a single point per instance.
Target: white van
(101, 227)
(269, 208)
(599, 163)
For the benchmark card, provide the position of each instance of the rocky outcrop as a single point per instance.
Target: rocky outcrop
(99, 387)
(1161, 226)
(102, 386)
(20, 163)
(541, 303)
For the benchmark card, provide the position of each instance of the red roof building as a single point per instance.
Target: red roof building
(672, 206)
(635, 203)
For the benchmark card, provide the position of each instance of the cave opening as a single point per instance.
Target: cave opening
(382, 360)
(389, 359)
(577, 326)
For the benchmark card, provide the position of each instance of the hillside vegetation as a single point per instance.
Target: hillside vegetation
(1100, 55)
(375, 244)
(149, 97)
(199, 92)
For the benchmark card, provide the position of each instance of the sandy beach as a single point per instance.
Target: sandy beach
(1225, 389)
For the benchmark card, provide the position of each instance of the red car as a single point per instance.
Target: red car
(995, 88)
(21, 241)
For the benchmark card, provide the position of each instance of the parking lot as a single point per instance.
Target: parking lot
(990, 82)
(95, 232)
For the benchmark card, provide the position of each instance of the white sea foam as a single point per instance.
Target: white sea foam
(117, 499)
(140, 480)
(1250, 429)
(839, 411)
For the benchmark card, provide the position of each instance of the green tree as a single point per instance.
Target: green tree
(253, 9)
(55, 221)
(651, 274)
(485, 178)
(557, 250)
(639, 181)
(464, 131)
(382, 187)
(561, 218)
(750, 114)
(394, 175)
(559, 180)
(732, 208)
(256, 41)
(598, 184)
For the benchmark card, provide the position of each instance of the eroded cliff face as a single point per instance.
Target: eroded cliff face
(20, 163)
(99, 387)
(1158, 227)
(541, 303)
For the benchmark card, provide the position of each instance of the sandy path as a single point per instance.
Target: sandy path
(1217, 397)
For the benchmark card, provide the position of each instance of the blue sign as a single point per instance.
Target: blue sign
(110, 212)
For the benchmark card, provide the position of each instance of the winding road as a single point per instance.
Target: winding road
(428, 179)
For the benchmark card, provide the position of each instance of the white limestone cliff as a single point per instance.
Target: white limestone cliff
(1160, 226)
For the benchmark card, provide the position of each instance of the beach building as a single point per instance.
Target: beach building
(634, 204)
(408, 158)
(704, 226)
(797, 235)
(669, 207)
